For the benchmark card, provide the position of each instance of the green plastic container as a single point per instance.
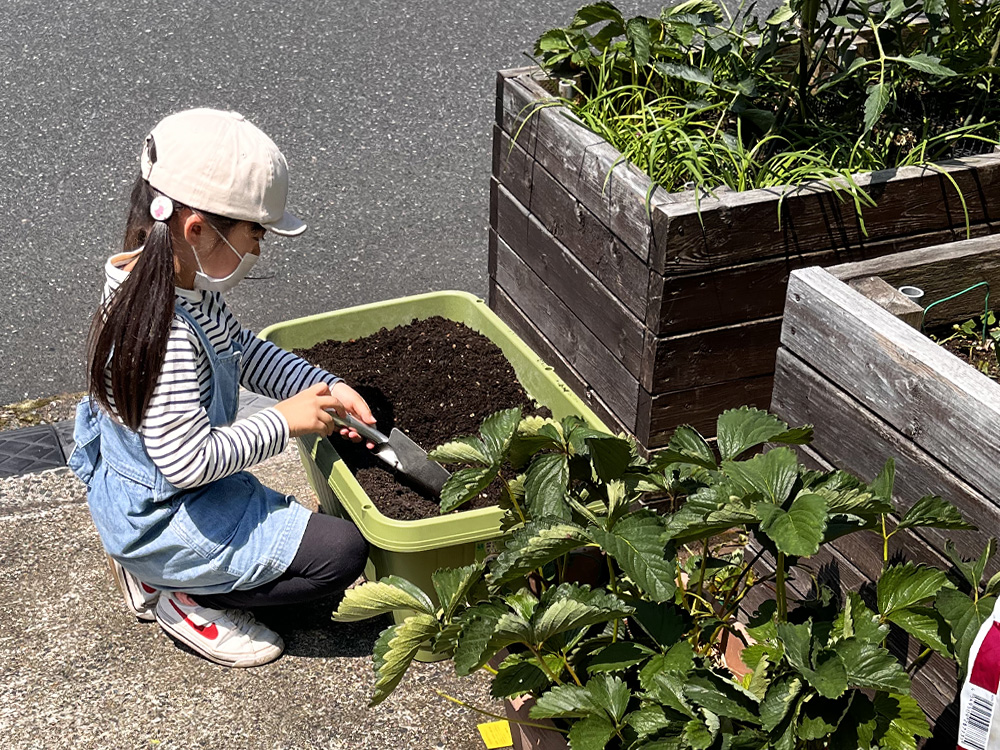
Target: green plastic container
(415, 549)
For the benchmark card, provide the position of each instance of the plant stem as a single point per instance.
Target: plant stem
(924, 655)
(497, 716)
(780, 586)
(545, 667)
(570, 669)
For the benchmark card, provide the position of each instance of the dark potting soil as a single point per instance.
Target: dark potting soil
(435, 380)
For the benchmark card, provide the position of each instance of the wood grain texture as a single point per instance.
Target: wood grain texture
(930, 396)
(588, 355)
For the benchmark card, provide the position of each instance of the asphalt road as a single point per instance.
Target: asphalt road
(383, 109)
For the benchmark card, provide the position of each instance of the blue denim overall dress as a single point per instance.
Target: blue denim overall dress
(233, 533)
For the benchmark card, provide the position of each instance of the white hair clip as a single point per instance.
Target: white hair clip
(161, 208)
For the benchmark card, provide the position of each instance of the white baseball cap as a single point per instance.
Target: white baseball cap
(220, 163)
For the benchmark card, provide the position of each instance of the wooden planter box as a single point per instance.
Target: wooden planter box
(669, 317)
(875, 388)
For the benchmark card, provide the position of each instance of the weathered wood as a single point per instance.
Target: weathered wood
(698, 407)
(889, 299)
(848, 435)
(928, 394)
(570, 281)
(523, 327)
(599, 367)
(573, 224)
(718, 355)
(940, 271)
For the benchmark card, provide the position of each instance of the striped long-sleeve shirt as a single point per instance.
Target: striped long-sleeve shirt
(176, 429)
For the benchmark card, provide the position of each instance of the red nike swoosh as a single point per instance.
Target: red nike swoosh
(209, 631)
(147, 588)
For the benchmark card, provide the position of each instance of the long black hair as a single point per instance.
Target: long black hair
(129, 332)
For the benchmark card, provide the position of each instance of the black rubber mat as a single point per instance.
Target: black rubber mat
(31, 449)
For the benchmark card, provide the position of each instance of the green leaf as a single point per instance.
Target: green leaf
(906, 721)
(569, 606)
(684, 73)
(612, 693)
(453, 584)
(934, 512)
(701, 735)
(664, 623)
(545, 486)
(926, 625)
(564, 702)
(825, 671)
(820, 716)
(781, 15)
(720, 701)
(592, 733)
(856, 620)
(799, 530)
(972, 571)
(619, 656)
(635, 544)
(647, 720)
(778, 701)
(377, 598)
(686, 445)
(396, 649)
(465, 484)
(879, 95)
(520, 676)
(906, 585)
(473, 649)
(597, 12)
(668, 689)
(534, 545)
(882, 485)
(739, 430)
(498, 430)
(637, 33)
(465, 450)
(871, 666)
(679, 659)
(927, 64)
(772, 474)
(965, 618)
(611, 456)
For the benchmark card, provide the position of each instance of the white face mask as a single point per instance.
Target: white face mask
(214, 284)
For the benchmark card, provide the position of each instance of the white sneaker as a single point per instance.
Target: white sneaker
(231, 637)
(140, 599)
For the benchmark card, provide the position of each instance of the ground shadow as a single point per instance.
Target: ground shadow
(309, 630)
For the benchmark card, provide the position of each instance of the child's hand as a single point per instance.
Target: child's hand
(308, 411)
(355, 405)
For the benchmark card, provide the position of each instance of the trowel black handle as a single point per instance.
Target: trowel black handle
(364, 430)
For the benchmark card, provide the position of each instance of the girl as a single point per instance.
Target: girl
(193, 539)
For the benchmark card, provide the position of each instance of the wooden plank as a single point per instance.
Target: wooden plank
(925, 392)
(702, 358)
(599, 367)
(502, 305)
(850, 436)
(940, 271)
(699, 407)
(573, 224)
(587, 165)
(889, 298)
(578, 289)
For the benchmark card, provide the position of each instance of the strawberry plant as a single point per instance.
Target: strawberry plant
(631, 660)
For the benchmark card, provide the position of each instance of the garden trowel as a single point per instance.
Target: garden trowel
(401, 453)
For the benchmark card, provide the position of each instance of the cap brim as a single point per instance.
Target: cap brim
(288, 225)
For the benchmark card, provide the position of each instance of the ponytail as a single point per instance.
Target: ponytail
(130, 330)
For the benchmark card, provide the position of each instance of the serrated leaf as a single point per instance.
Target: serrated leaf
(647, 720)
(571, 606)
(820, 717)
(473, 648)
(906, 585)
(668, 689)
(715, 698)
(679, 661)
(519, 678)
(637, 33)
(465, 484)
(871, 666)
(781, 15)
(397, 652)
(906, 721)
(878, 98)
(465, 450)
(882, 486)
(684, 72)
(619, 656)
(565, 702)
(799, 530)
(927, 64)
(597, 12)
(534, 545)
(545, 486)
(612, 693)
(934, 512)
(971, 570)
(965, 618)
(739, 430)
(772, 474)
(778, 701)
(591, 733)
(452, 585)
(686, 445)
(825, 670)
(924, 624)
(635, 544)
(856, 620)
(664, 623)
(497, 431)
(611, 456)
(380, 597)
(699, 734)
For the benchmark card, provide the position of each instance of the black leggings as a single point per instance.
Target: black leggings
(330, 558)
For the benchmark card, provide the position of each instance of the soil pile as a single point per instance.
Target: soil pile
(435, 380)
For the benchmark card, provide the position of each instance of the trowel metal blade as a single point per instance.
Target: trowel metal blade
(414, 463)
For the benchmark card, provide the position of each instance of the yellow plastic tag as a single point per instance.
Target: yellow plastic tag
(496, 734)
